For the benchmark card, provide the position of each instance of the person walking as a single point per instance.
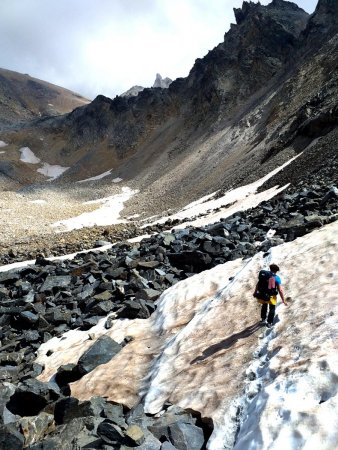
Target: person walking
(268, 287)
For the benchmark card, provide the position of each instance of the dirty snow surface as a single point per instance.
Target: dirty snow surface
(3, 144)
(108, 213)
(97, 177)
(204, 349)
(52, 171)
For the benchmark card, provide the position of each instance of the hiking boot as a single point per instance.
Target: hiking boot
(269, 325)
(263, 321)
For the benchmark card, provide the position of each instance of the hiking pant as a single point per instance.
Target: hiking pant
(264, 310)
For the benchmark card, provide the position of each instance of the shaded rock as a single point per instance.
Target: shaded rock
(58, 315)
(130, 310)
(332, 193)
(148, 264)
(8, 277)
(148, 294)
(6, 391)
(102, 308)
(29, 318)
(114, 412)
(10, 438)
(67, 374)
(102, 351)
(168, 446)
(52, 282)
(106, 295)
(79, 433)
(70, 408)
(195, 261)
(110, 433)
(36, 427)
(134, 436)
(183, 436)
(30, 397)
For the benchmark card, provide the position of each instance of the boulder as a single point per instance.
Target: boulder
(183, 436)
(67, 409)
(31, 396)
(194, 261)
(114, 412)
(110, 433)
(148, 294)
(11, 438)
(134, 436)
(36, 427)
(29, 318)
(57, 282)
(102, 351)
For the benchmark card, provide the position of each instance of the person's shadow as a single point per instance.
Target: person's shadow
(227, 343)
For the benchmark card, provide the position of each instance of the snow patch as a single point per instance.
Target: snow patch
(38, 202)
(52, 171)
(3, 144)
(239, 199)
(48, 170)
(2, 152)
(97, 177)
(107, 214)
(117, 180)
(28, 156)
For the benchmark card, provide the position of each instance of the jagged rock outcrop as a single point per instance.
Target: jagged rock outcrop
(159, 82)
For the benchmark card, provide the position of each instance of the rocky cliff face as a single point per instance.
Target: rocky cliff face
(264, 94)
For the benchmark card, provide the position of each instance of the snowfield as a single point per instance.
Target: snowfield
(204, 349)
(107, 214)
(48, 170)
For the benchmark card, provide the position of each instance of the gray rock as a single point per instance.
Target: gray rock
(36, 427)
(55, 282)
(168, 446)
(10, 438)
(29, 317)
(71, 408)
(102, 351)
(115, 414)
(134, 436)
(148, 294)
(110, 433)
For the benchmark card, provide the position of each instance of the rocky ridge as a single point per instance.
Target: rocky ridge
(159, 82)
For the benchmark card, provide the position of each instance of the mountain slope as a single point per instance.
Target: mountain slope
(23, 98)
(265, 94)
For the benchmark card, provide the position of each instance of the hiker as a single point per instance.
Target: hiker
(266, 291)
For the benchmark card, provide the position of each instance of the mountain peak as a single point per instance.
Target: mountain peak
(161, 82)
(323, 22)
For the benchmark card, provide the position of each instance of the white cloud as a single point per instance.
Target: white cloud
(106, 47)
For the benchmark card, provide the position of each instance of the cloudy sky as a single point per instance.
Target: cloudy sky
(106, 46)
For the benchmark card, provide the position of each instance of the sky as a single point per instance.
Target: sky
(106, 46)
